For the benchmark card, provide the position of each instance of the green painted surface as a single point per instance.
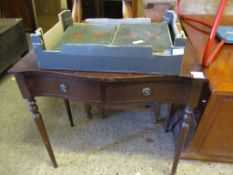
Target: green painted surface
(88, 34)
(155, 35)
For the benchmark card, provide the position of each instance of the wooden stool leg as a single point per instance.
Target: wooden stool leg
(77, 11)
(126, 9)
(87, 108)
(43, 133)
(68, 110)
(102, 111)
(157, 112)
(134, 8)
(185, 125)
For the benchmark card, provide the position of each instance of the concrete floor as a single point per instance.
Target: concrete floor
(125, 143)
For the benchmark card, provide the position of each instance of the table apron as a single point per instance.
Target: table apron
(113, 93)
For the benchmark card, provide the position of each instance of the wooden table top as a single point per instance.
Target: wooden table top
(220, 73)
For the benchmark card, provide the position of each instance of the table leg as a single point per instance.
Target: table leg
(87, 108)
(36, 116)
(68, 110)
(185, 125)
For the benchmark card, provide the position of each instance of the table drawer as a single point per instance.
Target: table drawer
(63, 87)
(147, 92)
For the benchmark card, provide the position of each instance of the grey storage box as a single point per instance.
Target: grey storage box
(13, 42)
(108, 45)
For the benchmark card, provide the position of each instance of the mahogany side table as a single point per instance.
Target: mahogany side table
(112, 90)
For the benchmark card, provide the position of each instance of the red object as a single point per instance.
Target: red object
(208, 57)
(213, 33)
(99, 35)
(76, 35)
(178, 8)
(153, 36)
(188, 18)
(131, 37)
(212, 57)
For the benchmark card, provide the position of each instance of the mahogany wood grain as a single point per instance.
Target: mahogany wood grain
(185, 125)
(36, 116)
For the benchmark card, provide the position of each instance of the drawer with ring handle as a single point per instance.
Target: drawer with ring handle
(137, 92)
(63, 87)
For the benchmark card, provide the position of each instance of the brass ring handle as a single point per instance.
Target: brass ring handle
(64, 88)
(146, 91)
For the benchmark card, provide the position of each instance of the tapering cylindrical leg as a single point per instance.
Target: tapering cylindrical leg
(102, 112)
(87, 108)
(126, 9)
(185, 125)
(69, 113)
(77, 11)
(42, 130)
(157, 112)
(135, 8)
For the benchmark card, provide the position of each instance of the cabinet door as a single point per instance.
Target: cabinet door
(219, 140)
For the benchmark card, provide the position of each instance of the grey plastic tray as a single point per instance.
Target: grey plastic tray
(136, 46)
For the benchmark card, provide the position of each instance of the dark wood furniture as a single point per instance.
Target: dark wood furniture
(111, 90)
(20, 9)
(13, 42)
(213, 139)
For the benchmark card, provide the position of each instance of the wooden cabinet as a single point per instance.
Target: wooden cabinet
(213, 137)
(219, 139)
